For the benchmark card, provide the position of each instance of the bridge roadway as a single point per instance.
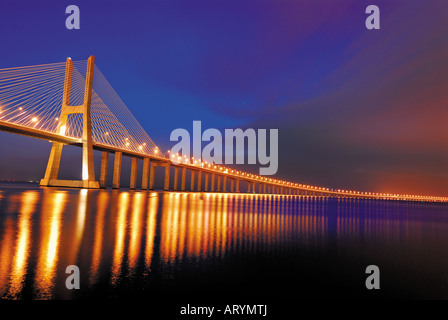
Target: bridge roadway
(217, 174)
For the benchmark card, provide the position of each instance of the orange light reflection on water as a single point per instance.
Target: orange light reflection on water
(102, 205)
(52, 209)
(136, 229)
(20, 262)
(122, 231)
(151, 229)
(121, 225)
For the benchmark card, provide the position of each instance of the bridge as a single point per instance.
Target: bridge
(73, 104)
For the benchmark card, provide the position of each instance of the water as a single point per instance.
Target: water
(134, 244)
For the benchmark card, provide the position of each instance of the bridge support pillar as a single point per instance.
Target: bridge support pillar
(184, 177)
(232, 185)
(151, 175)
(104, 168)
(224, 184)
(212, 186)
(237, 189)
(145, 174)
(133, 182)
(53, 164)
(176, 178)
(218, 185)
(206, 182)
(117, 170)
(192, 181)
(166, 185)
(249, 187)
(88, 170)
(199, 181)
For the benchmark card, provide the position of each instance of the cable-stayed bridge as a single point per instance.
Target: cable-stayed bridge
(72, 103)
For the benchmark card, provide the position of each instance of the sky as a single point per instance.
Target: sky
(355, 108)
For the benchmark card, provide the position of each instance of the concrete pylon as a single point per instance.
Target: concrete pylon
(206, 182)
(176, 178)
(88, 171)
(145, 174)
(192, 180)
(117, 170)
(199, 188)
(133, 182)
(184, 177)
(104, 167)
(212, 185)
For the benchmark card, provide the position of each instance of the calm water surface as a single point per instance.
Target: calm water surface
(138, 244)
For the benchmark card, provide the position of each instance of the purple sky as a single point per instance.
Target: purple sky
(355, 108)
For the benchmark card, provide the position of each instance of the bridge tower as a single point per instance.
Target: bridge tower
(88, 171)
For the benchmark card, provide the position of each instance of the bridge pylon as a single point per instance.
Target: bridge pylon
(88, 171)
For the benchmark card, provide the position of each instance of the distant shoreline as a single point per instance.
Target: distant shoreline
(19, 181)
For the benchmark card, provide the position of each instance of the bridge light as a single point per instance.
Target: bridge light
(62, 130)
(155, 151)
(56, 119)
(127, 144)
(34, 119)
(140, 147)
(20, 108)
(107, 133)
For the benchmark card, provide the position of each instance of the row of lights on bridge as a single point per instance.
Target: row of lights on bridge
(221, 169)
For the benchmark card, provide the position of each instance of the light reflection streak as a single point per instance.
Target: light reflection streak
(6, 246)
(102, 205)
(29, 200)
(79, 226)
(150, 230)
(215, 224)
(198, 228)
(136, 230)
(53, 206)
(120, 236)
